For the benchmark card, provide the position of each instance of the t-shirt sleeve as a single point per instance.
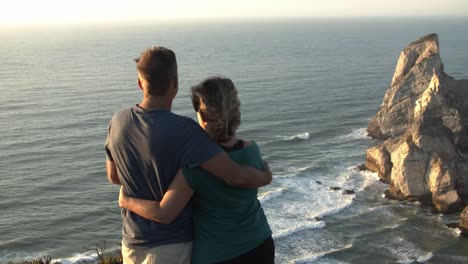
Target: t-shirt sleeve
(256, 157)
(198, 147)
(107, 145)
(188, 175)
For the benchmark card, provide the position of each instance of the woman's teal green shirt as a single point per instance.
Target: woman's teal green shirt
(228, 221)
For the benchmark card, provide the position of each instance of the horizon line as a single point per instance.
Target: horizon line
(217, 19)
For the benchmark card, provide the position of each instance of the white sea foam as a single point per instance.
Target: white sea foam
(300, 200)
(298, 227)
(312, 257)
(297, 169)
(270, 195)
(89, 257)
(407, 252)
(425, 258)
(306, 198)
(291, 171)
(339, 205)
(370, 174)
(359, 180)
(80, 259)
(359, 133)
(302, 136)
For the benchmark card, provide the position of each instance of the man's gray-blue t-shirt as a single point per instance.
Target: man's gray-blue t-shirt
(148, 147)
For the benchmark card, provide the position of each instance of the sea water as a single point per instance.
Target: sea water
(308, 89)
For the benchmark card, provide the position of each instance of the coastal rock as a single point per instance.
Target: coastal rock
(407, 179)
(464, 221)
(415, 68)
(462, 181)
(446, 203)
(422, 120)
(362, 167)
(453, 225)
(424, 50)
(441, 181)
(347, 192)
(378, 160)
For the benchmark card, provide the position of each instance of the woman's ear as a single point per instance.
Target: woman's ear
(203, 118)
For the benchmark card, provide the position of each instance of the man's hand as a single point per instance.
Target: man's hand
(234, 174)
(112, 175)
(266, 169)
(266, 165)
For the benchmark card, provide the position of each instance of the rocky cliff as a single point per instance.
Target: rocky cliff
(423, 122)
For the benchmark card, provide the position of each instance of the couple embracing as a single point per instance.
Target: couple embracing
(188, 191)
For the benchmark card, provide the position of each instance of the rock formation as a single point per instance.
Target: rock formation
(423, 121)
(464, 222)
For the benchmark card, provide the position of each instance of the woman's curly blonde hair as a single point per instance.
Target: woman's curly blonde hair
(216, 100)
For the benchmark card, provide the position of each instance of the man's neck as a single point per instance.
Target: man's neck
(156, 102)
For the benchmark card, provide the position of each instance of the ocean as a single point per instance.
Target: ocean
(308, 89)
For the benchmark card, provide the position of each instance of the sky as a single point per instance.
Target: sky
(23, 12)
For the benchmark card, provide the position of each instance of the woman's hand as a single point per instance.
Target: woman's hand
(123, 198)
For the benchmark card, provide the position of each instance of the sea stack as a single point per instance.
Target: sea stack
(423, 123)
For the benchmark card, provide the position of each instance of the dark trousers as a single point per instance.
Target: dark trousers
(262, 254)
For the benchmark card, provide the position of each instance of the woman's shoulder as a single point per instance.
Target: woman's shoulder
(247, 143)
(250, 151)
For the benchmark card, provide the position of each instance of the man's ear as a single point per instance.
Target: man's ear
(139, 83)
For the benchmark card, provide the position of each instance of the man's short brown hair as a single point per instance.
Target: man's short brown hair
(158, 66)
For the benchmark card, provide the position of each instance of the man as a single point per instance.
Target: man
(146, 146)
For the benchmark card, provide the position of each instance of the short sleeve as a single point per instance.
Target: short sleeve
(107, 145)
(255, 157)
(188, 175)
(198, 147)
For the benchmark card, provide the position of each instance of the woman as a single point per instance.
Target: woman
(229, 223)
